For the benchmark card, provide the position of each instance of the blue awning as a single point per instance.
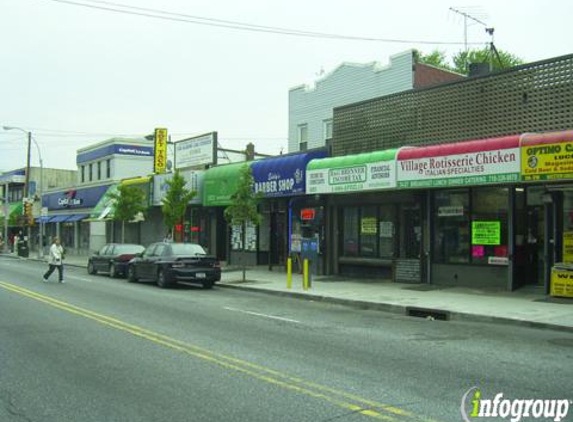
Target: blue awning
(42, 219)
(283, 175)
(58, 218)
(76, 217)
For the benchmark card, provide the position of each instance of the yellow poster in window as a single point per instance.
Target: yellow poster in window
(368, 225)
(568, 246)
(160, 156)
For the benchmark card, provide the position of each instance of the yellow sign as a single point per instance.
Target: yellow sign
(567, 247)
(547, 161)
(160, 162)
(368, 225)
(561, 283)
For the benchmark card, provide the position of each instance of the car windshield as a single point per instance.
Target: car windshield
(128, 249)
(187, 249)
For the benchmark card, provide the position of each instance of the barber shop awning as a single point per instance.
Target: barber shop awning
(352, 173)
(283, 175)
(221, 183)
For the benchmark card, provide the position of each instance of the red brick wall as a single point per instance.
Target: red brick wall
(425, 76)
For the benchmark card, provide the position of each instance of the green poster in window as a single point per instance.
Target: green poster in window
(368, 225)
(486, 232)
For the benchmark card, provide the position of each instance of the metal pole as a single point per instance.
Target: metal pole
(289, 273)
(6, 217)
(27, 182)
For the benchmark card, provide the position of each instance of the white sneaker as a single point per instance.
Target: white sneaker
(44, 279)
(62, 281)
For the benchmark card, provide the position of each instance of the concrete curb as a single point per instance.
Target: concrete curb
(403, 309)
(385, 307)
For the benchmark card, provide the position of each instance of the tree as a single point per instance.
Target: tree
(174, 204)
(129, 201)
(499, 59)
(461, 60)
(436, 58)
(243, 209)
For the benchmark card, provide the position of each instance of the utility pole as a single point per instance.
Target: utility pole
(27, 182)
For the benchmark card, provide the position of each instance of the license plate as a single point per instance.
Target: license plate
(200, 275)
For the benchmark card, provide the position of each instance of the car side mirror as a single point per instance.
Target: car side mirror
(96, 253)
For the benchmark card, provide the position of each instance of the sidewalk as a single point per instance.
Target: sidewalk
(528, 306)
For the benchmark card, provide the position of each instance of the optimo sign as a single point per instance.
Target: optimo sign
(547, 161)
(198, 151)
(464, 163)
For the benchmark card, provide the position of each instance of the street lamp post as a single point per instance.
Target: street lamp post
(27, 184)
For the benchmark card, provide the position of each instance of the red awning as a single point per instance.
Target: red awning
(489, 144)
(546, 138)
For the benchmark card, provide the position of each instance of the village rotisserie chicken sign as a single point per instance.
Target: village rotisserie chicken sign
(461, 164)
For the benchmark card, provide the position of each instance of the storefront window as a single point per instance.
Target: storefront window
(567, 240)
(489, 225)
(451, 227)
(368, 231)
(387, 231)
(350, 216)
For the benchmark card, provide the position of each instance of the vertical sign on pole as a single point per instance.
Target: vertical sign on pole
(160, 157)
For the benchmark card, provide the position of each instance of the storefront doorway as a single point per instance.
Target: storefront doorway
(534, 246)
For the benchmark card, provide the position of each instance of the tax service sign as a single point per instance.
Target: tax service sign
(418, 168)
(359, 177)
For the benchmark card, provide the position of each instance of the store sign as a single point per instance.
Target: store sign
(386, 229)
(547, 161)
(307, 214)
(197, 151)
(160, 159)
(279, 183)
(133, 150)
(486, 232)
(368, 176)
(450, 211)
(471, 168)
(194, 182)
(69, 199)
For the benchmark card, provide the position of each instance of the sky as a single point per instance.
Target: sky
(74, 75)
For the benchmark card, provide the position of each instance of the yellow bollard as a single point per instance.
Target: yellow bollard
(289, 273)
(305, 275)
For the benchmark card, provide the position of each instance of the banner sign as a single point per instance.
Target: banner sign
(367, 176)
(486, 232)
(469, 168)
(198, 151)
(547, 161)
(160, 156)
(194, 182)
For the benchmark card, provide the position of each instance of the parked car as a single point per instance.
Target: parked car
(113, 259)
(167, 263)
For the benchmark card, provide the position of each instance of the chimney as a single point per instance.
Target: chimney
(250, 151)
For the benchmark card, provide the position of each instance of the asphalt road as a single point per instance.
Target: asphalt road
(100, 349)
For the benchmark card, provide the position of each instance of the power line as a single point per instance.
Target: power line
(242, 26)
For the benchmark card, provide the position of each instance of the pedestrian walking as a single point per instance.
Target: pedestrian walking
(55, 260)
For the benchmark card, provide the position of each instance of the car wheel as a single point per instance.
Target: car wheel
(112, 271)
(131, 274)
(208, 285)
(162, 280)
(91, 268)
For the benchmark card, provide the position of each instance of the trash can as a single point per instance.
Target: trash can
(22, 248)
(562, 280)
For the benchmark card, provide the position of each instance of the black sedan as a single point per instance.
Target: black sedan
(167, 263)
(113, 259)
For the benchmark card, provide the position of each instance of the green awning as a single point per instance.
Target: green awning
(104, 208)
(220, 184)
(15, 210)
(352, 173)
